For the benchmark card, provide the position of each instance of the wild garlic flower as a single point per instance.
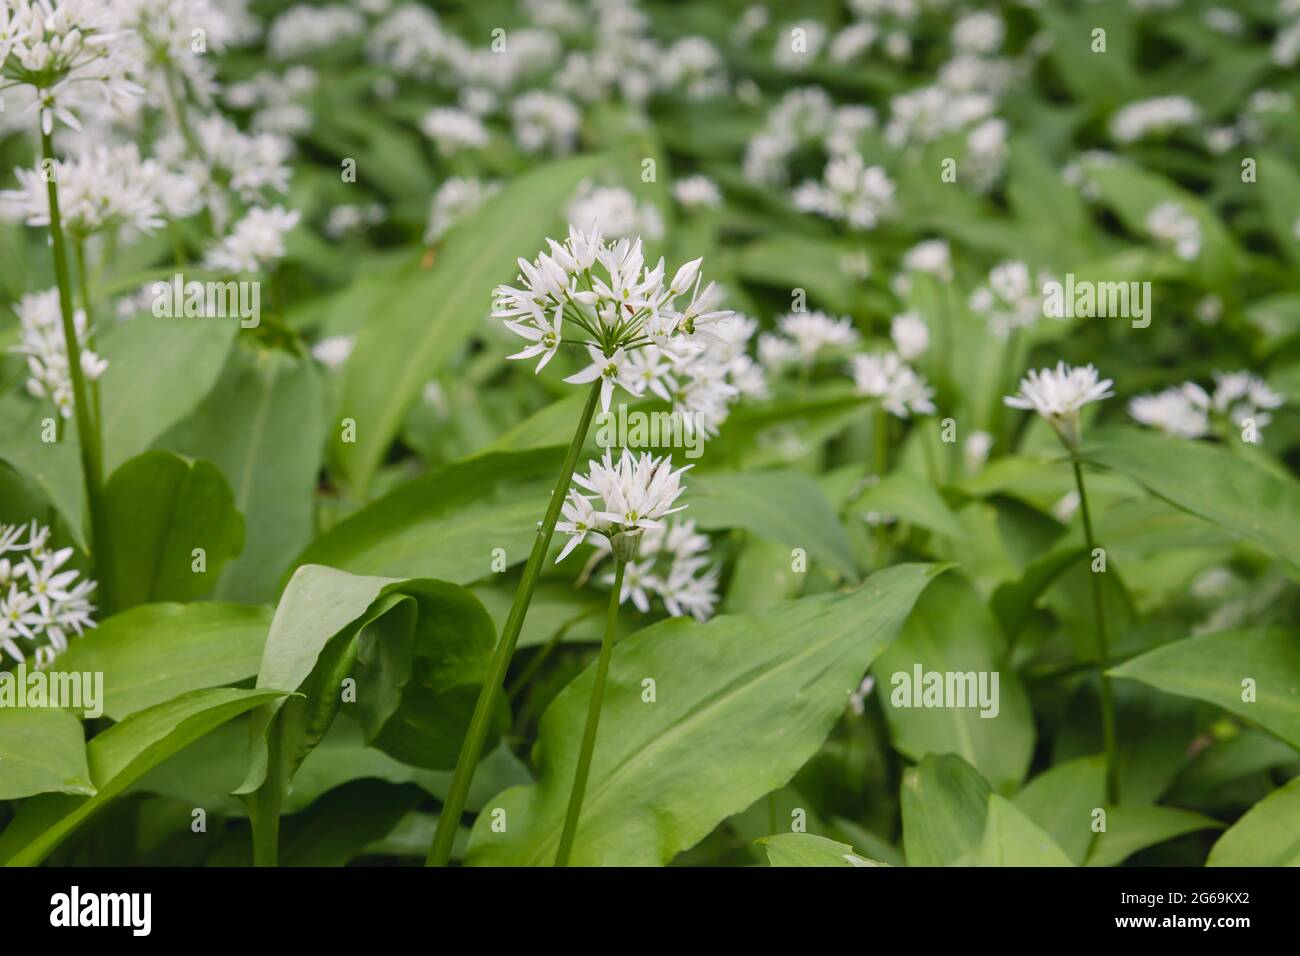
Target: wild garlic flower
(625, 498)
(672, 564)
(303, 30)
(1158, 115)
(697, 192)
(888, 379)
(925, 114)
(979, 32)
(453, 130)
(852, 42)
(47, 356)
(334, 351)
(1009, 300)
(1173, 226)
(1058, 395)
(252, 165)
(615, 212)
(815, 335)
(110, 189)
(986, 154)
(975, 451)
(910, 334)
(545, 122)
(254, 243)
(67, 51)
(1188, 411)
(850, 192)
(796, 56)
(694, 65)
(41, 606)
(928, 255)
(601, 295)
(455, 199)
(165, 31)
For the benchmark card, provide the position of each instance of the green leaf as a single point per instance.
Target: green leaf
(1268, 834)
(1061, 800)
(158, 370)
(264, 426)
(807, 849)
(154, 652)
(160, 508)
(1133, 828)
(945, 802)
(1012, 839)
(911, 499)
(742, 702)
(1213, 668)
(446, 524)
(426, 317)
(42, 749)
(951, 632)
(783, 506)
(55, 468)
(1209, 481)
(116, 758)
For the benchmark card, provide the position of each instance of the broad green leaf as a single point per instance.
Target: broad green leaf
(427, 316)
(55, 468)
(264, 426)
(782, 506)
(1012, 839)
(1133, 828)
(951, 634)
(793, 261)
(945, 802)
(1216, 668)
(344, 821)
(447, 523)
(158, 371)
(807, 849)
(116, 758)
(911, 499)
(160, 508)
(1268, 834)
(1062, 799)
(154, 652)
(1209, 481)
(741, 703)
(42, 749)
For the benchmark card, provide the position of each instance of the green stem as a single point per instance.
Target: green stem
(931, 465)
(882, 439)
(88, 437)
(1099, 609)
(472, 748)
(83, 291)
(593, 722)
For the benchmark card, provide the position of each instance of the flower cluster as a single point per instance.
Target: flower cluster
(805, 338)
(1009, 300)
(605, 292)
(1173, 226)
(888, 379)
(850, 192)
(39, 603)
(615, 212)
(1188, 411)
(626, 497)
(47, 355)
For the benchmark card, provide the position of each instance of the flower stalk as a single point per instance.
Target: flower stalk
(583, 769)
(88, 435)
(1103, 643)
(472, 748)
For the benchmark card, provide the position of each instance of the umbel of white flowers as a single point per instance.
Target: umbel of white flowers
(1058, 394)
(40, 605)
(628, 496)
(601, 295)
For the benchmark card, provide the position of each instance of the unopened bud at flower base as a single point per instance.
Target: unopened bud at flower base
(625, 544)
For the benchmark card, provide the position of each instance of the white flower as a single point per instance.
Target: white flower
(545, 338)
(886, 377)
(453, 130)
(1158, 115)
(697, 192)
(851, 42)
(813, 333)
(975, 450)
(1058, 395)
(1172, 225)
(40, 604)
(978, 32)
(47, 356)
(615, 212)
(1179, 411)
(303, 30)
(798, 44)
(927, 113)
(1009, 301)
(634, 493)
(615, 369)
(986, 154)
(910, 334)
(932, 256)
(545, 122)
(1240, 395)
(255, 242)
(334, 351)
(852, 192)
(455, 199)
